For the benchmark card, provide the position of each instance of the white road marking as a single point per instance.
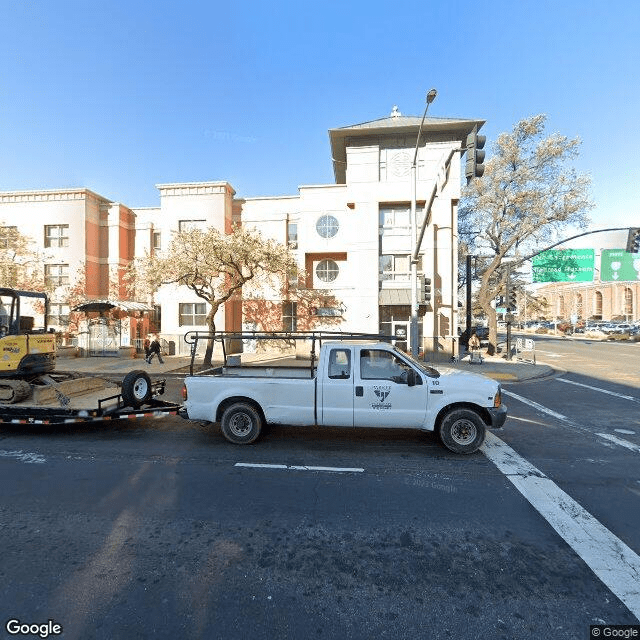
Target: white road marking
(620, 441)
(571, 423)
(625, 431)
(611, 393)
(299, 468)
(617, 565)
(537, 406)
(28, 458)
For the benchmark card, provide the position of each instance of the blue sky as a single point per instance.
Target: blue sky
(120, 96)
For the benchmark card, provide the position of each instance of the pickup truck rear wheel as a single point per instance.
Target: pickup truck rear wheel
(462, 431)
(241, 423)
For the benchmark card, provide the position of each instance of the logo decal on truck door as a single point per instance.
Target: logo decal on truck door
(382, 392)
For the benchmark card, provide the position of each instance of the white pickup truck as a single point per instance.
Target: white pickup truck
(354, 385)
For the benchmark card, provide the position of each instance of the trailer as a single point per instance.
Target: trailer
(91, 399)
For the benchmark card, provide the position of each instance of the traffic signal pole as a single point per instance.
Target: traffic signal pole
(509, 314)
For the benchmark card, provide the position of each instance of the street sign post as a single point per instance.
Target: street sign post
(564, 265)
(617, 265)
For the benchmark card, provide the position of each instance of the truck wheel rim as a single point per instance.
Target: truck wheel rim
(240, 424)
(463, 432)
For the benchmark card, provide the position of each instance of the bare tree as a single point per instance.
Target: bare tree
(528, 193)
(215, 266)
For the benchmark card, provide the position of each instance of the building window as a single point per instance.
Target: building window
(292, 235)
(396, 219)
(191, 225)
(58, 314)
(56, 275)
(289, 316)
(327, 270)
(628, 304)
(397, 267)
(8, 237)
(192, 314)
(327, 226)
(597, 310)
(157, 240)
(56, 235)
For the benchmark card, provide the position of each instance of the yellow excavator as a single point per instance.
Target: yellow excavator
(27, 349)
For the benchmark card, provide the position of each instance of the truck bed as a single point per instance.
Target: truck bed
(303, 372)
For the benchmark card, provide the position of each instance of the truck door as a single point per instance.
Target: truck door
(382, 396)
(337, 389)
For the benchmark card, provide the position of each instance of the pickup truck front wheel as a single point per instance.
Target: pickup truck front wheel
(241, 423)
(462, 431)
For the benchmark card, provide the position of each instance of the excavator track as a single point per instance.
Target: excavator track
(12, 391)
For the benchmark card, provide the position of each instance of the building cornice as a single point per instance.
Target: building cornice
(48, 195)
(195, 188)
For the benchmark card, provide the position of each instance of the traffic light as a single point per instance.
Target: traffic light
(512, 302)
(427, 290)
(475, 155)
(633, 241)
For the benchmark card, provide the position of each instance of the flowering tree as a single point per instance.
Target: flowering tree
(215, 266)
(528, 193)
(20, 267)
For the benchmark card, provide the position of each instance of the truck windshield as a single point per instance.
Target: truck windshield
(430, 371)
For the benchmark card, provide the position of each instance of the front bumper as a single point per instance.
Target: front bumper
(498, 415)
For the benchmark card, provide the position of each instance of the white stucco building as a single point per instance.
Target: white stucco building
(352, 236)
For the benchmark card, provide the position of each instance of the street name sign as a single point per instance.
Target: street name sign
(617, 265)
(564, 265)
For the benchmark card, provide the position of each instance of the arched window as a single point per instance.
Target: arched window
(597, 305)
(628, 303)
(579, 306)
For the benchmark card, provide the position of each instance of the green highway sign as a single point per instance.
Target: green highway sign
(564, 265)
(618, 265)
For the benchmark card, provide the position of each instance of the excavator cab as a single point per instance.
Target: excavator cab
(27, 349)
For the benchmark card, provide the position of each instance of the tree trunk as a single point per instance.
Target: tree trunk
(208, 354)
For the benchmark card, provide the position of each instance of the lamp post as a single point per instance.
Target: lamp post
(431, 96)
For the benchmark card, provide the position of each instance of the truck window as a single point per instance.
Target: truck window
(340, 364)
(376, 364)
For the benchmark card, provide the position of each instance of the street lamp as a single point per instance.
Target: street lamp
(431, 96)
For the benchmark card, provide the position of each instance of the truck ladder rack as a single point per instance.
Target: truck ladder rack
(194, 337)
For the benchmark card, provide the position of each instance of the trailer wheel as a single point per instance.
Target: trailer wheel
(136, 388)
(462, 431)
(241, 423)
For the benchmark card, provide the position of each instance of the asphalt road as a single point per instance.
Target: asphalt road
(151, 529)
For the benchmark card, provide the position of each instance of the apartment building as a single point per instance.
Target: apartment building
(351, 236)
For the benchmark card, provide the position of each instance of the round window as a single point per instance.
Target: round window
(327, 270)
(327, 226)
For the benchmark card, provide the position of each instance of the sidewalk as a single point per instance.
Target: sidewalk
(503, 370)
(496, 367)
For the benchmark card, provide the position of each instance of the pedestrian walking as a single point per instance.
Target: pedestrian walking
(154, 350)
(147, 347)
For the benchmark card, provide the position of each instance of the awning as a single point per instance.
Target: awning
(392, 297)
(107, 305)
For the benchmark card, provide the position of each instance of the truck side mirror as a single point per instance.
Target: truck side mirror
(411, 378)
